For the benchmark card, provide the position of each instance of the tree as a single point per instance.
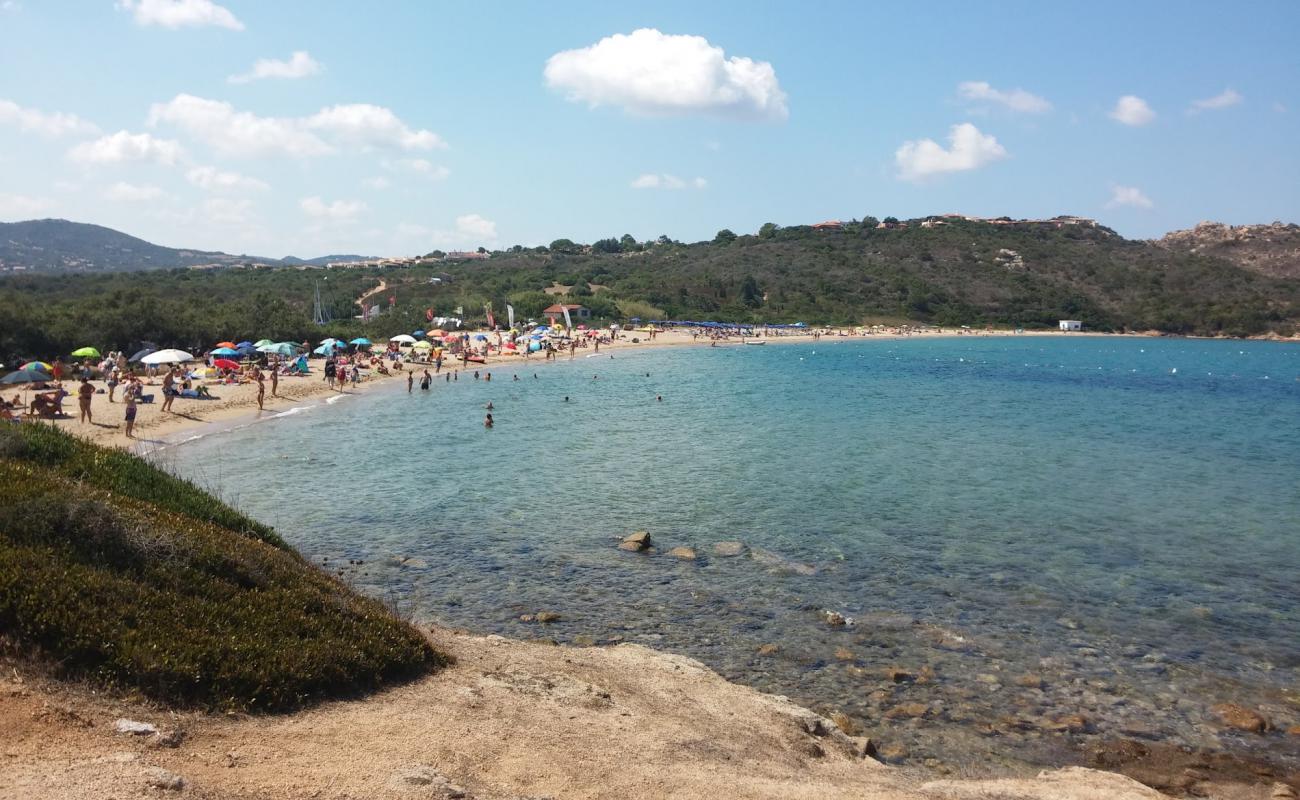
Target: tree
(606, 246)
(750, 294)
(663, 239)
(724, 237)
(870, 222)
(482, 249)
(768, 231)
(629, 244)
(563, 246)
(891, 220)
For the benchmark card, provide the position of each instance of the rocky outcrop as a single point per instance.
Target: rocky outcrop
(1272, 250)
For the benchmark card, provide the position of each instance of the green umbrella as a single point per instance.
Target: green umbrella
(86, 352)
(262, 343)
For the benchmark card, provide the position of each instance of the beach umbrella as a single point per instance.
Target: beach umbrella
(225, 363)
(418, 334)
(141, 354)
(40, 366)
(439, 332)
(329, 340)
(279, 348)
(231, 345)
(360, 341)
(242, 345)
(262, 343)
(27, 376)
(86, 352)
(167, 357)
(403, 338)
(247, 350)
(225, 351)
(422, 346)
(481, 337)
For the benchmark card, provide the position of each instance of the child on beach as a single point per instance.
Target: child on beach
(129, 396)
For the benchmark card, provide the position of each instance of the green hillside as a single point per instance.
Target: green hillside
(115, 571)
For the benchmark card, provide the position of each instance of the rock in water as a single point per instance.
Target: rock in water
(833, 618)
(636, 542)
(547, 617)
(684, 553)
(728, 549)
(1243, 719)
(768, 649)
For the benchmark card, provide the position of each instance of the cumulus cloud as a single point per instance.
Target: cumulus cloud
(45, 123)
(1128, 196)
(652, 180)
(1224, 99)
(213, 179)
(19, 206)
(476, 227)
(299, 65)
(371, 126)
(1132, 110)
(181, 14)
(421, 167)
(1015, 100)
(656, 74)
(339, 210)
(237, 133)
(241, 133)
(123, 147)
(123, 192)
(968, 149)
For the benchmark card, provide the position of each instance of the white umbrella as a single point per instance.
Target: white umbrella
(167, 357)
(405, 338)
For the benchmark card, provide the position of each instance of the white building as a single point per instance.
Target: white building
(1071, 325)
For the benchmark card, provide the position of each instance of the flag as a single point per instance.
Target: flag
(568, 322)
(428, 315)
(510, 315)
(492, 323)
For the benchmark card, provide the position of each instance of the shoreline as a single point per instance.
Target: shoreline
(235, 407)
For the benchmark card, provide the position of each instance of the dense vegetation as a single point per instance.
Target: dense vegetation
(115, 571)
(962, 273)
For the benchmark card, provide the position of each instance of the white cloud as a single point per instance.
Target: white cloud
(237, 133)
(227, 210)
(368, 125)
(18, 206)
(1222, 100)
(181, 14)
(1016, 99)
(968, 149)
(11, 5)
(1128, 196)
(122, 147)
(419, 166)
(340, 210)
(651, 73)
(241, 133)
(1132, 110)
(299, 65)
(651, 180)
(377, 182)
(474, 226)
(45, 123)
(123, 192)
(213, 179)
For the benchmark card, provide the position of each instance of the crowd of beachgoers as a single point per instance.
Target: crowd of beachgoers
(165, 390)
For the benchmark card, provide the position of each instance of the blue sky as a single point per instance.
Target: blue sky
(409, 126)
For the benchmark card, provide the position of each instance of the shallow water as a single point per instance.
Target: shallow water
(1118, 517)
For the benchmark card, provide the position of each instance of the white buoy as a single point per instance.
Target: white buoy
(1173, 371)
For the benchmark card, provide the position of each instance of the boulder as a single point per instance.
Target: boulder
(135, 728)
(900, 675)
(547, 617)
(907, 711)
(166, 780)
(684, 553)
(1030, 681)
(1240, 718)
(635, 542)
(833, 618)
(728, 549)
(844, 722)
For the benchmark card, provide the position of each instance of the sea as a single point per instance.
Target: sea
(984, 550)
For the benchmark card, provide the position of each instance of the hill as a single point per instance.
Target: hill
(115, 571)
(1272, 250)
(320, 261)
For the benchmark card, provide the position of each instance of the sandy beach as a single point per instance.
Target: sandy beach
(235, 403)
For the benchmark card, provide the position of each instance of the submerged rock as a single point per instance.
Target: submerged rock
(547, 617)
(834, 618)
(1240, 718)
(684, 553)
(728, 549)
(635, 542)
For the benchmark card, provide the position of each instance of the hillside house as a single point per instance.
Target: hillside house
(555, 313)
(1071, 325)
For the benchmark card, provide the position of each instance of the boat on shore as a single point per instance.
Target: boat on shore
(756, 341)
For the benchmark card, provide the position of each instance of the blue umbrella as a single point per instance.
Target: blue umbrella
(481, 337)
(418, 334)
(224, 351)
(29, 375)
(242, 345)
(247, 350)
(361, 341)
(324, 350)
(279, 348)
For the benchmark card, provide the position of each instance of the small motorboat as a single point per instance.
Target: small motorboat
(756, 341)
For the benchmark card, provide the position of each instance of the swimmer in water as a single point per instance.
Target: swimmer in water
(487, 422)
(659, 397)
(489, 407)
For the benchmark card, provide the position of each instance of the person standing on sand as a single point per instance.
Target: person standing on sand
(330, 368)
(169, 388)
(275, 381)
(84, 393)
(129, 396)
(261, 387)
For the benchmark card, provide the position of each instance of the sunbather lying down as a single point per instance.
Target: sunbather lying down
(200, 393)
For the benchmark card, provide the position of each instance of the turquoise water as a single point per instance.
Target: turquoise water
(1119, 517)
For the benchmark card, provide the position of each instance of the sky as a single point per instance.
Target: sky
(396, 128)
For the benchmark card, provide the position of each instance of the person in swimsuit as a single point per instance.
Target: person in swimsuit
(487, 423)
(261, 387)
(129, 396)
(84, 393)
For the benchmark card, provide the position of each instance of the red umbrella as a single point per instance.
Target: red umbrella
(225, 363)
